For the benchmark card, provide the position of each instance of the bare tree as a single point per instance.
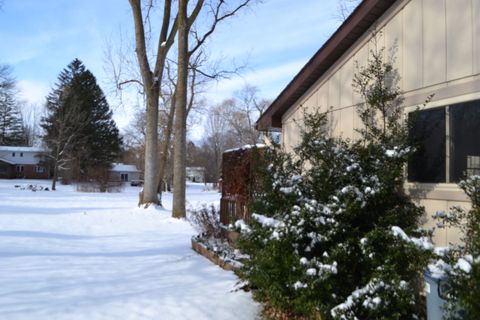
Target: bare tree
(31, 115)
(151, 80)
(218, 11)
(247, 107)
(345, 8)
(180, 143)
(63, 134)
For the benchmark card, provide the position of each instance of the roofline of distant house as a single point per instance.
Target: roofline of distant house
(8, 161)
(22, 149)
(359, 21)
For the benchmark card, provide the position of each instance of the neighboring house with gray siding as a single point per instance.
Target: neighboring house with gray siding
(22, 162)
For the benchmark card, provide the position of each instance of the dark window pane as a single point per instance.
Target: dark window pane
(464, 140)
(428, 135)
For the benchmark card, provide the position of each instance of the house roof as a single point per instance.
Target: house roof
(121, 167)
(7, 161)
(245, 147)
(361, 19)
(21, 149)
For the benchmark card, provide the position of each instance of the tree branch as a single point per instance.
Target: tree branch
(140, 47)
(217, 18)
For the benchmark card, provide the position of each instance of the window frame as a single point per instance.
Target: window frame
(39, 169)
(447, 104)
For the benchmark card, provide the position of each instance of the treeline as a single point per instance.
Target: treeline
(226, 125)
(14, 131)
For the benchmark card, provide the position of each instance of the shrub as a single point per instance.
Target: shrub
(461, 263)
(206, 220)
(333, 233)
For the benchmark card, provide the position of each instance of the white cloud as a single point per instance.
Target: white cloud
(33, 92)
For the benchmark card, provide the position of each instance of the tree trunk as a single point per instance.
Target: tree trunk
(164, 149)
(55, 176)
(151, 155)
(151, 82)
(179, 162)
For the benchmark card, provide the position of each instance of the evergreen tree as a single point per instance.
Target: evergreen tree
(334, 235)
(11, 123)
(79, 130)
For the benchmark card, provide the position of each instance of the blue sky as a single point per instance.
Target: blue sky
(276, 37)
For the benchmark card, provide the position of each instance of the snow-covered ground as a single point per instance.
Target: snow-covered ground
(72, 255)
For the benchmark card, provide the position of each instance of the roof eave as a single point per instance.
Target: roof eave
(361, 19)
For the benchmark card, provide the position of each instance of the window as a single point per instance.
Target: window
(21, 154)
(13, 154)
(39, 169)
(464, 140)
(473, 165)
(124, 177)
(428, 135)
(19, 169)
(448, 149)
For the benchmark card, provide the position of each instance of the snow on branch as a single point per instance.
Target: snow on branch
(422, 243)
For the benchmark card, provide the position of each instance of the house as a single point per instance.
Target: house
(195, 174)
(124, 172)
(22, 162)
(435, 47)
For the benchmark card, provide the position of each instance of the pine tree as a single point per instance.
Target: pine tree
(11, 123)
(80, 132)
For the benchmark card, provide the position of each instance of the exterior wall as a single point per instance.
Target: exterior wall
(25, 157)
(30, 172)
(116, 175)
(7, 171)
(435, 46)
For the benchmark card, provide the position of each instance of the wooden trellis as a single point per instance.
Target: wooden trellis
(238, 176)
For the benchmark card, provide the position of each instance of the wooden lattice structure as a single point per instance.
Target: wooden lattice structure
(239, 167)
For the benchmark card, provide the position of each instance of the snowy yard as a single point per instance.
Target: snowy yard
(72, 255)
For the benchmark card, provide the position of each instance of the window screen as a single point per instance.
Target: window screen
(464, 140)
(428, 135)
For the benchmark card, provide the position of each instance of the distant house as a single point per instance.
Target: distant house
(435, 47)
(22, 162)
(124, 172)
(195, 174)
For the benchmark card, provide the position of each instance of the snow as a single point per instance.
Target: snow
(299, 285)
(121, 167)
(21, 149)
(240, 224)
(311, 272)
(72, 255)
(438, 269)
(357, 294)
(267, 221)
(464, 264)
(246, 147)
(422, 243)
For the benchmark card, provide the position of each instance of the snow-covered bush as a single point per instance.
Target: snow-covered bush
(333, 233)
(461, 263)
(206, 220)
